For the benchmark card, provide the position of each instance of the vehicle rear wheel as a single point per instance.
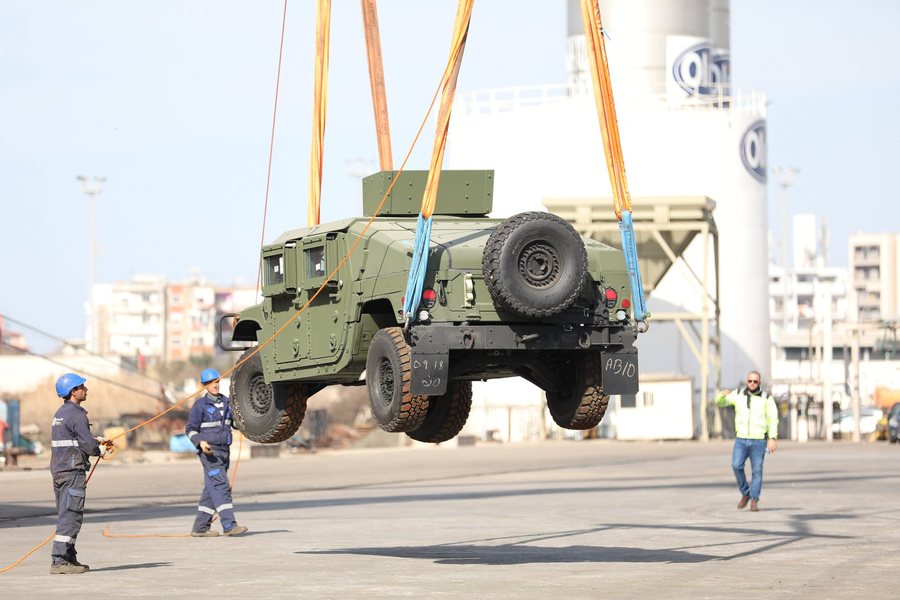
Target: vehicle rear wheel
(534, 264)
(447, 414)
(582, 404)
(388, 375)
(265, 412)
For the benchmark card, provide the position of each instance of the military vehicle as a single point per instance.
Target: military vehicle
(525, 296)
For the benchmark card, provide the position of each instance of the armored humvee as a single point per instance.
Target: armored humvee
(525, 296)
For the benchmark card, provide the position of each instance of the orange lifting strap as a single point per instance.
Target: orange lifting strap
(606, 108)
(448, 84)
(320, 97)
(376, 80)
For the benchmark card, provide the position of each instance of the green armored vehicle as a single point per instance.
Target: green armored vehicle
(525, 296)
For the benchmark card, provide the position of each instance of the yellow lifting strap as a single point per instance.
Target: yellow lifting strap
(323, 27)
(448, 85)
(376, 80)
(606, 108)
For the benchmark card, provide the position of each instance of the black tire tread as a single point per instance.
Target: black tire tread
(447, 414)
(292, 415)
(591, 401)
(413, 409)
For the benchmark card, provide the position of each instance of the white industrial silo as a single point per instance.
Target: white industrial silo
(685, 132)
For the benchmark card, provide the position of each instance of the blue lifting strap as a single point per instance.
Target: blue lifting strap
(417, 268)
(626, 228)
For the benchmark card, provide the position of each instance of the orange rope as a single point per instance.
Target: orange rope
(262, 239)
(606, 108)
(320, 100)
(27, 554)
(107, 534)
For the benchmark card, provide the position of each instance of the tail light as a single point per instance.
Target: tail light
(610, 297)
(428, 298)
(626, 303)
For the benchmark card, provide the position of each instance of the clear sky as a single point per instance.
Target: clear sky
(171, 102)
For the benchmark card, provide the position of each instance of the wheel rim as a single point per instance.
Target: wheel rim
(539, 264)
(385, 381)
(260, 395)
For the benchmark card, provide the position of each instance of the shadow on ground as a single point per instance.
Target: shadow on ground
(483, 552)
(150, 565)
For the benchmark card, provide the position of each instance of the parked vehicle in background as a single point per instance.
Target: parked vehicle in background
(893, 417)
(843, 423)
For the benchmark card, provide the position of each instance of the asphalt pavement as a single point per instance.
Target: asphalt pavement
(589, 519)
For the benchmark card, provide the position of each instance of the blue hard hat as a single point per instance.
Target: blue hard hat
(209, 375)
(68, 382)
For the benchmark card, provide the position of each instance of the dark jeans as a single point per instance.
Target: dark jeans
(69, 490)
(755, 450)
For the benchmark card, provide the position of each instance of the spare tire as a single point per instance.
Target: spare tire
(534, 264)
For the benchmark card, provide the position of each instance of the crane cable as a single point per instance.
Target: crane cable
(419, 263)
(271, 338)
(615, 163)
(262, 239)
(320, 101)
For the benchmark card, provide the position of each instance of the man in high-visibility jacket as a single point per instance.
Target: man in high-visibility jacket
(755, 430)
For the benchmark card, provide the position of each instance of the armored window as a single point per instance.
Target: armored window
(274, 268)
(315, 262)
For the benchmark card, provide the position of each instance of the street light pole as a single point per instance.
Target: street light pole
(785, 176)
(91, 187)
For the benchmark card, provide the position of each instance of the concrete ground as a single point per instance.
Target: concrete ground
(592, 519)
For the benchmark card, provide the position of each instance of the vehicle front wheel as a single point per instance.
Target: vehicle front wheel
(388, 375)
(581, 403)
(447, 414)
(265, 412)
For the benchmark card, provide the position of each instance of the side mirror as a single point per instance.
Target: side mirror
(220, 339)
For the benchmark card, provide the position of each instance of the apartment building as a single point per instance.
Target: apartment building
(190, 320)
(149, 319)
(874, 273)
(128, 317)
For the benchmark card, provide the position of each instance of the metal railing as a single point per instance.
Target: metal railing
(497, 100)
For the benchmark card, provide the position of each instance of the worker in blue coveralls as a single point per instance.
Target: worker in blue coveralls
(72, 445)
(209, 428)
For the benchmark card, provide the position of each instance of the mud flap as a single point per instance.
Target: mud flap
(620, 372)
(429, 374)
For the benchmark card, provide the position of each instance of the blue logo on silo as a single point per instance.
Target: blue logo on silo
(702, 71)
(753, 150)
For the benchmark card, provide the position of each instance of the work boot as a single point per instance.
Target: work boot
(206, 533)
(64, 567)
(236, 530)
(754, 507)
(75, 562)
(743, 502)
